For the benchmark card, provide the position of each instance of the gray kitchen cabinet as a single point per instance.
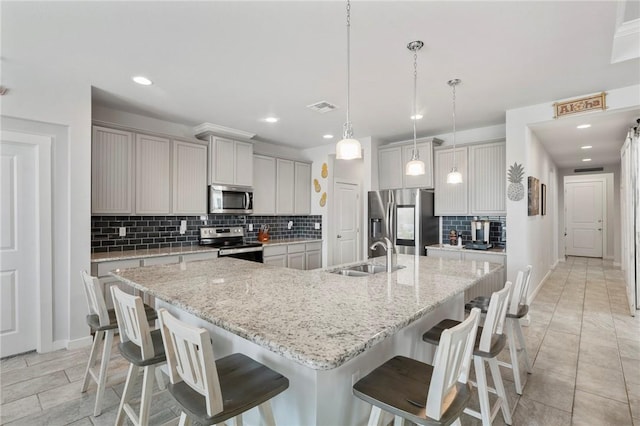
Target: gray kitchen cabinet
(487, 179)
(207, 255)
(296, 261)
(230, 162)
(393, 159)
(390, 168)
(264, 185)
(189, 178)
(425, 152)
(275, 255)
(300, 256)
(153, 175)
(111, 171)
(313, 252)
(302, 188)
(451, 199)
(285, 186)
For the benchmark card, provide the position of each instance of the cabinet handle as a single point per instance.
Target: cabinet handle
(599, 229)
(339, 236)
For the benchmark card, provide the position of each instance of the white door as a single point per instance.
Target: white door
(19, 256)
(347, 208)
(584, 218)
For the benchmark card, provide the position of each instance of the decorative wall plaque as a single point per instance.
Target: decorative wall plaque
(576, 106)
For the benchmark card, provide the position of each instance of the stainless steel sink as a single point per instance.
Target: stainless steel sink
(363, 269)
(350, 273)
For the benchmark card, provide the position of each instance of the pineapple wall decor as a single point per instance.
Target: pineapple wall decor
(515, 192)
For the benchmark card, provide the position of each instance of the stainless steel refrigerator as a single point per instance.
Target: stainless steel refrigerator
(405, 216)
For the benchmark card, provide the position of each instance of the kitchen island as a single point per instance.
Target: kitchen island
(322, 330)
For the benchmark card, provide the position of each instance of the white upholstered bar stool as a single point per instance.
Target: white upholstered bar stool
(212, 391)
(419, 392)
(103, 324)
(490, 341)
(144, 351)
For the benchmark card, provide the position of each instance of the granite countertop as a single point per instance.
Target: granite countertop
(135, 254)
(316, 318)
(283, 241)
(492, 250)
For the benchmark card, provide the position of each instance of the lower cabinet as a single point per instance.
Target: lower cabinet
(303, 256)
(478, 256)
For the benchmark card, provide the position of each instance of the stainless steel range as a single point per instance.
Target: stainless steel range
(230, 241)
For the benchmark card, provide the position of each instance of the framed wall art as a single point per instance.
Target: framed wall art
(534, 196)
(543, 199)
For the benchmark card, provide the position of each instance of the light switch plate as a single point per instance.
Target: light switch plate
(316, 225)
(122, 231)
(251, 227)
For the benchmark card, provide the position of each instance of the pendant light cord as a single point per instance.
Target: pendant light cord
(348, 131)
(415, 103)
(454, 125)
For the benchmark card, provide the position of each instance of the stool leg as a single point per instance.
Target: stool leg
(95, 348)
(456, 422)
(499, 385)
(266, 413)
(523, 345)
(184, 420)
(102, 378)
(513, 353)
(147, 393)
(237, 420)
(160, 378)
(483, 393)
(398, 421)
(132, 377)
(375, 418)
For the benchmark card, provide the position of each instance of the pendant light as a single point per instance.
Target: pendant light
(454, 176)
(415, 167)
(348, 148)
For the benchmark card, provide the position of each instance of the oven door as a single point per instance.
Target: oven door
(230, 199)
(253, 254)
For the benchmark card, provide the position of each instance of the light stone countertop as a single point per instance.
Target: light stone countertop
(316, 318)
(447, 247)
(283, 241)
(138, 254)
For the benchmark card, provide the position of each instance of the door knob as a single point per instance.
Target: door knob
(599, 229)
(339, 236)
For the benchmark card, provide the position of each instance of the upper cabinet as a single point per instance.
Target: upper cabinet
(169, 176)
(393, 159)
(264, 185)
(302, 188)
(230, 162)
(111, 171)
(482, 191)
(285, 173)
(281, 186)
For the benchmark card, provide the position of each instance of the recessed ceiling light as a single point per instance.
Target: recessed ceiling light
(416, 117)
(586, 159)
(583, 126)
(272, 119)
(327, 136)
(586, 147)
(142, 80)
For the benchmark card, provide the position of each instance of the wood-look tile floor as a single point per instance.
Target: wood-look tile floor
(584, 344)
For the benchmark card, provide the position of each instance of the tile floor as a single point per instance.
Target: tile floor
(585, 345)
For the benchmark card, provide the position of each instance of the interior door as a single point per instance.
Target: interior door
(347, 213)
(584, 218)
(19, 256)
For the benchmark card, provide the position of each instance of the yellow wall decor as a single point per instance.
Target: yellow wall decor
(323, 199)
(325, 170)
(316, 185)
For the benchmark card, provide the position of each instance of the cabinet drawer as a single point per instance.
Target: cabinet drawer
(199, 256)
(314, 246)
(160, 260)
(105, 267)
(274, 250)
(484, 257)
(295, 248)
(444, 254)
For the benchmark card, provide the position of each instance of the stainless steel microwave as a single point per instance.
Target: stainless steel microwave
(230, 199)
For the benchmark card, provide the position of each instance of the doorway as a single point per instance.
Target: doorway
(585, 205)
(346, 240)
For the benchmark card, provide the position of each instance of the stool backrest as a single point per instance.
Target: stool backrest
(451, 363)
(525, 286)
(95, 299)
(516, 293)
(496, 314)
(190, 359)
(132, 321)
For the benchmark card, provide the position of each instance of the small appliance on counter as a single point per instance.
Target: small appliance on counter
(479, 235)
(231, 243)
(263, 233)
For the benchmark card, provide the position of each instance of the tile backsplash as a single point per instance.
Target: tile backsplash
(145, 232)
(462, 224)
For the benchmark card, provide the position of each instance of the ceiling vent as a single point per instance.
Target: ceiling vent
(322, 107)
(588, 169)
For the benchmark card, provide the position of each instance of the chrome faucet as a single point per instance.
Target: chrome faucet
(388, 246)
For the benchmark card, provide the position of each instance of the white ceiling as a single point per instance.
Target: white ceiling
(234, 63)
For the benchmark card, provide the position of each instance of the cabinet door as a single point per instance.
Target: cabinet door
(390, 168)
(302, 188)
(189, 178)
(314, 259)
(264, 185)
(450, 199)
(296, 261)
(243, 170)
(278, 260)
(153, 175)
(111, 171)
(284, 186)
(444, 254)
(223, 152)
(425, 154)
(487, 179)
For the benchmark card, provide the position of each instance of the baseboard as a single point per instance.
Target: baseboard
(537, 290)
(73, 344)
(553, 267)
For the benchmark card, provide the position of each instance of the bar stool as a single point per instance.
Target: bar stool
(419, 392)
(212, 391)
(518, 309)
(144, 351)
(103, 324)
(490, 341)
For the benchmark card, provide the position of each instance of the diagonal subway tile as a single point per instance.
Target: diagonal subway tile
(590, 410)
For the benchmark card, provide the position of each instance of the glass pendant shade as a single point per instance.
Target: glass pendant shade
(414, 167)
(348, 149)
(454, 176)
